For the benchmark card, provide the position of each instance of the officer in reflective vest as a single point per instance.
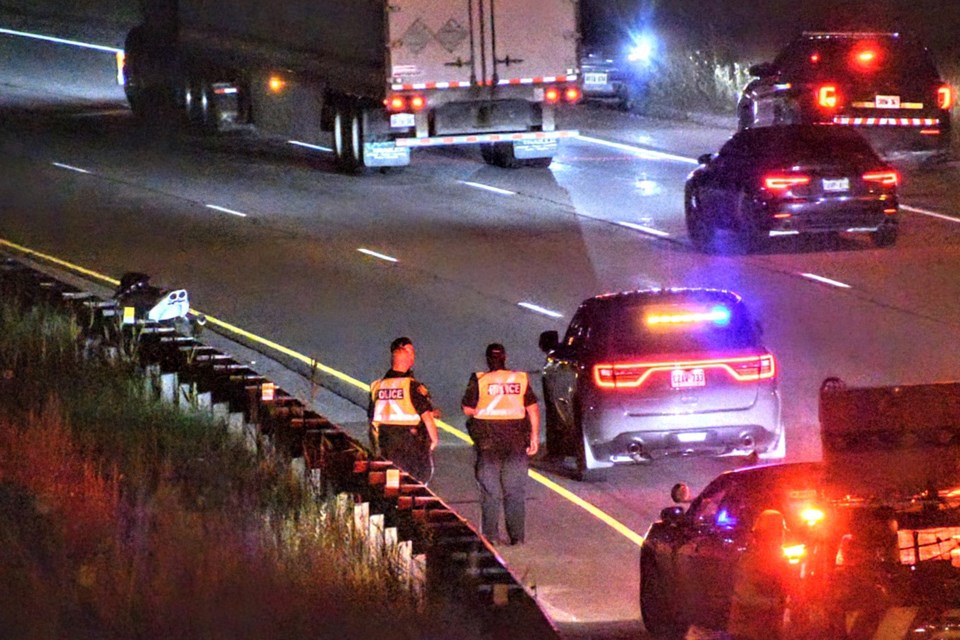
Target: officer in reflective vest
(503, 419)
(402, 427)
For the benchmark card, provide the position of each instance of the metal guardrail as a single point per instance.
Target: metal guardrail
(448, 560)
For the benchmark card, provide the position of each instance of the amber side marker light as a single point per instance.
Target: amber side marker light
(276, 84)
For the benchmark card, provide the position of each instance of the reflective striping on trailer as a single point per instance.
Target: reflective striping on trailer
(487, 137)
(421, 86)
(886, 122)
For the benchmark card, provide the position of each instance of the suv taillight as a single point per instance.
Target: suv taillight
(945, 97)
(828, 97)
(783, 182)
(633, 375)
(886, 178)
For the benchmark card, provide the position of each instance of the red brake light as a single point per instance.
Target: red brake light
(633, 375)
(551, 95)
(886, 178)
(827, 96)
(783, 182)
(572, 95)
(417, 102)
(945, 97)
(396, 103)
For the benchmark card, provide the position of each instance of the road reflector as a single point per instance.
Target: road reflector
(268, 391)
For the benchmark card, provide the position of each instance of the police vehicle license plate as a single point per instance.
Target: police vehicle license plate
(888, 102)
(837, 184)
(687, 378)
(594, 78)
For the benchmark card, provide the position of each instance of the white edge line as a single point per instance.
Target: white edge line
(307, 145)
(643, 229)
(69, 167)
(374, 254)
(926, 212)
(75, 43)
(539, 309)
(486, 187)
(834, 283)
(638, 151)
(225, 210)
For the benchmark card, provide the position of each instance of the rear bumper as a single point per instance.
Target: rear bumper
(863, 215)
(892, 134)
(615, 438)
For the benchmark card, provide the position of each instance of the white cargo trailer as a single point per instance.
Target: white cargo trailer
(382, 76)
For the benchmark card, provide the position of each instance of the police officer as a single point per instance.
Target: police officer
(759, 594)
(402, 427)
(503, 419)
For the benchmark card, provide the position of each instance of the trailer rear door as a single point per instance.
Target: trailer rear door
(467, 42)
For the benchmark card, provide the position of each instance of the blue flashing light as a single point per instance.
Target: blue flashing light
(720, 315)
(724, 519)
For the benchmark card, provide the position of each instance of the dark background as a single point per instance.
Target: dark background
(756, 28)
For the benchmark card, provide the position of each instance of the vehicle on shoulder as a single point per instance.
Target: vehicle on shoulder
(647, 374)
(866, 543)
(791, 180)
(884, 84)
(612, 76)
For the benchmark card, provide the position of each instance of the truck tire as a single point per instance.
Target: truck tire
(348, 139)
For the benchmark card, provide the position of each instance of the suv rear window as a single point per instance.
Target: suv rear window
(882, 57)
(684, 327)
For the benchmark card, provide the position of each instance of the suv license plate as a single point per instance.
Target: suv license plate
(838, 184)
(888, 102)
(594, 78)
(687, 378)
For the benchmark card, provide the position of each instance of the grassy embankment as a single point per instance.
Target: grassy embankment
(121, 517)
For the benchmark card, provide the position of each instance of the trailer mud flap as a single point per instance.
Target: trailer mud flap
(527, 149)
(385, 154)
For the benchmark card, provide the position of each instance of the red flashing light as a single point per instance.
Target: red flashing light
(572, 95)
(828, 97)
(551, 95)
(633, 375)
(945, 97)
(783, 182)
(815, 58)
(886, 178)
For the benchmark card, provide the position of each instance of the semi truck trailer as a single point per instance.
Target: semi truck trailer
(374, 79)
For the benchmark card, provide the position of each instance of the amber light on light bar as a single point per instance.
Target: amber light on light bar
(717, 315)
(633, 375)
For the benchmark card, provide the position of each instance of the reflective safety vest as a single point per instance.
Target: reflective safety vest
(501, 395)
(391, 402)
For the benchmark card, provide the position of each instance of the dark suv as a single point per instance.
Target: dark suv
(884, 84)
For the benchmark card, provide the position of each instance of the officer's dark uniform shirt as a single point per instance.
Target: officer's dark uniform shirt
(505, 435)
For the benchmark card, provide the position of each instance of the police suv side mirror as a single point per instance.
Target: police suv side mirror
(549, 340)
(680, 493)
(762, 69)
(705, 158)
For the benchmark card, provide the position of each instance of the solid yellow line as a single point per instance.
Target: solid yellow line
(596, 512)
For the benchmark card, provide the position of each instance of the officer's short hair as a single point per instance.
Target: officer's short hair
(496, 355)
(400, 343)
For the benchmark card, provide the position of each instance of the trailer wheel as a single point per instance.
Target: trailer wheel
(348, 139)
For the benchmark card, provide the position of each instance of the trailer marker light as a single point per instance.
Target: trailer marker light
(551, 95)
(276, 84)
(417, 103)
(572, 95)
